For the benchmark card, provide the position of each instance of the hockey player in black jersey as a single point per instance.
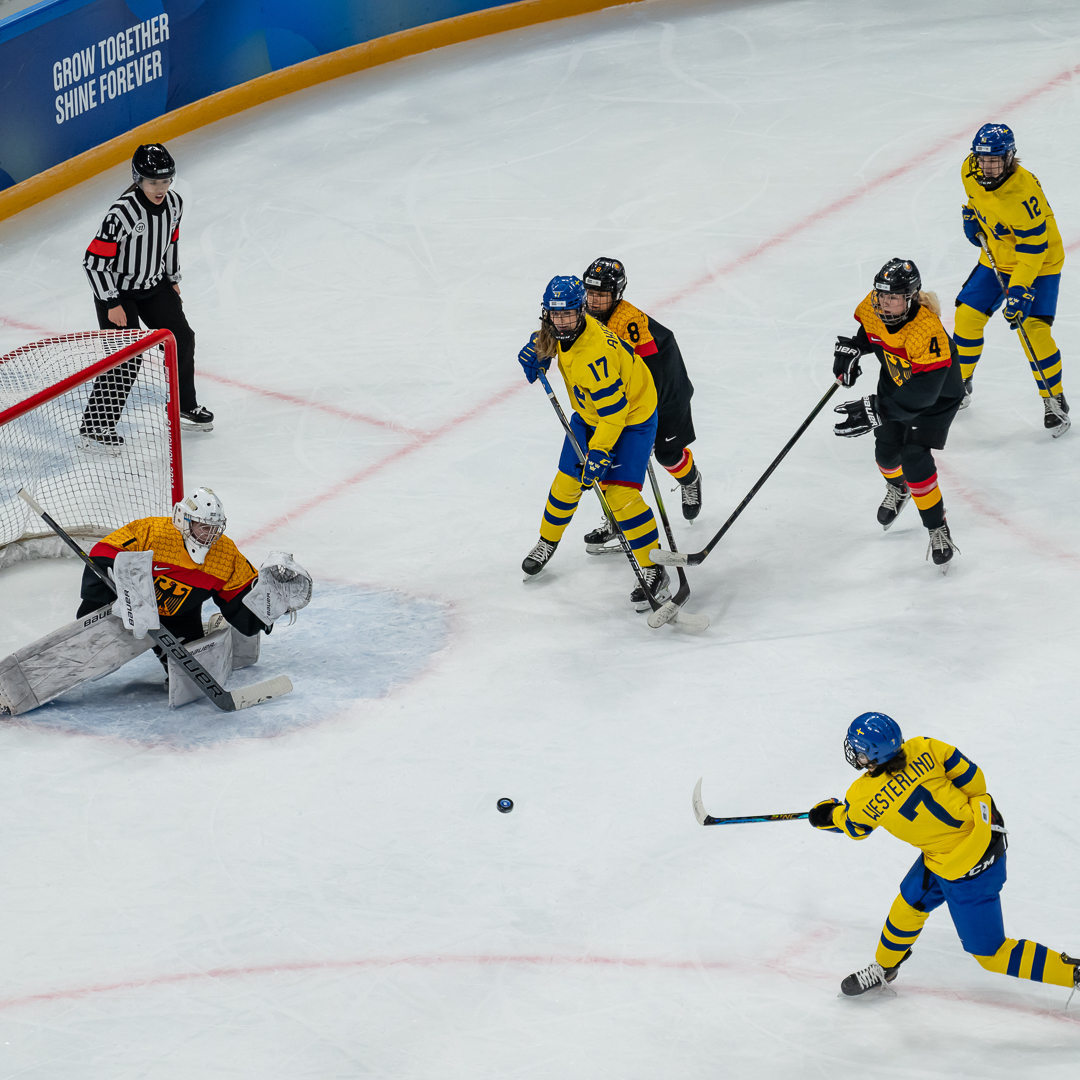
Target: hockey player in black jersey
(134, 269)
(605, 282)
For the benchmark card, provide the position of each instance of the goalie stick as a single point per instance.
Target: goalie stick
(707, 819)
(672, 612)
(1025, 342)
(680, 558)
(225, 700)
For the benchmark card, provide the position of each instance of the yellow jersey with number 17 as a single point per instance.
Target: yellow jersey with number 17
(609, 385)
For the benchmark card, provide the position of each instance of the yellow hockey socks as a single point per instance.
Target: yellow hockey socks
(562, 502)
(902, 929)
(1047, 373)
(636, 519)
(968, 335)
(1029, 960)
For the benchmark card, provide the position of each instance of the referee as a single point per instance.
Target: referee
(134, 269)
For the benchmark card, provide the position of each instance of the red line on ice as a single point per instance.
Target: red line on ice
(296, 399)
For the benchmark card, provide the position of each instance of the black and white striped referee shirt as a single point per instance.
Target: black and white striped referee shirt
(136, 245)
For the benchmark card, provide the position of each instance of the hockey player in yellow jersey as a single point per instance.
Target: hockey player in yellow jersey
(605, 282)
(1006, 204)
(614, 417)
(919, 390)
(931, 796)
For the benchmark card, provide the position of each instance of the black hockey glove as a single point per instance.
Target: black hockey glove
(821, 814)
(861, 417)
(845, 360)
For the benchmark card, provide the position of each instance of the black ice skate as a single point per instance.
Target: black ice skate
(691, 496)
(968, 391)
(101, 437)
(942, 546)
(539, 557)
(872, 977)
(897, 496)
(1051, 419)
(199, 419)
(602, 541)
(656, 577)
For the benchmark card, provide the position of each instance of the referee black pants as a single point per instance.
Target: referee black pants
(159, 308)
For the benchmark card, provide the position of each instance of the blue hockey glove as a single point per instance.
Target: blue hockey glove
(972, 225)
(1018, 303)
(845, 362)
(821, 814)
(595, 467)
(532, 363)
(861, 417)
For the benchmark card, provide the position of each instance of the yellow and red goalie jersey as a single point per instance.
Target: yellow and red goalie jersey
(938, 803)
(608, 383)
(632, 325)
(1020, 228)
(178, 579)
(918, 346)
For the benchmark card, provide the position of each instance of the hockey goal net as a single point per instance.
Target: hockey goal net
(90, 426)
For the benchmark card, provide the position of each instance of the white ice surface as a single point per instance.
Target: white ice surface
(361, 263)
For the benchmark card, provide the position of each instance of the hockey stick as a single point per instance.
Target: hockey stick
(680, 558)
(671, 611)
(658, 618)
(1025, 342)
(706, 819)
(226, 700)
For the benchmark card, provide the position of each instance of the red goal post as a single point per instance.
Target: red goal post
(90, 426)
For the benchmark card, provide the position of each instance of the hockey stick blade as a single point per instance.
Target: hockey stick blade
(672, 613)
(708, 819)
(670, 558)
(257, 693)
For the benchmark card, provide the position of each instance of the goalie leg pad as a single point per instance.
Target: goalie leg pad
(215, 653)
(245, 650)
(85, 649)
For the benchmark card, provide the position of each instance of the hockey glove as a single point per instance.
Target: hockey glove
(972, 225)
(845, 360)
(861, 417)
(821, 814)
(1018, 305)
(595, 467)
(532, 363)
(283, 585)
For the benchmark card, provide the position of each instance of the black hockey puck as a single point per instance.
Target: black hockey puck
(505, 805)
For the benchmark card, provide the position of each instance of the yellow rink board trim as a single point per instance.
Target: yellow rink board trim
(275, 84)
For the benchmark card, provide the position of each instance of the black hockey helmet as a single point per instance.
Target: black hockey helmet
(606, 275)
(152, 162)
(897, 276)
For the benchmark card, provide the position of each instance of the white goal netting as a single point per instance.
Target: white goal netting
(89, 425)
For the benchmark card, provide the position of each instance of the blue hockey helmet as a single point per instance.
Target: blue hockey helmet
(992, 141)
(872, 739)
(564, 294)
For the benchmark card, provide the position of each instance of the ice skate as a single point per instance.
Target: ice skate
(1051, 418)
(691, 497)
(602, 540)
(101, 438)
(872, 977)
(199, 419)
(539, 557)
(968, 391)
(942, 546)
(897, 496)
(656, 577)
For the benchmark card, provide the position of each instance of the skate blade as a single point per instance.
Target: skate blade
(1060, 430)
(603, 549)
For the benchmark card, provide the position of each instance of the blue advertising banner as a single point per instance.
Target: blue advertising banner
(76, 73)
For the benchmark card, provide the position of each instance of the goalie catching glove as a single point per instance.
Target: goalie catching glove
(283, 586)
(861, 417)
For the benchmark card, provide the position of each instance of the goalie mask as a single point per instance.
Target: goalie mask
(200, 517)
(897, 278)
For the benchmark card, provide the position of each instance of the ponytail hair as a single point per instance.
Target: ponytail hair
(930, 300)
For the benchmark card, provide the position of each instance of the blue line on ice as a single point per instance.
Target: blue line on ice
(349, 644)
